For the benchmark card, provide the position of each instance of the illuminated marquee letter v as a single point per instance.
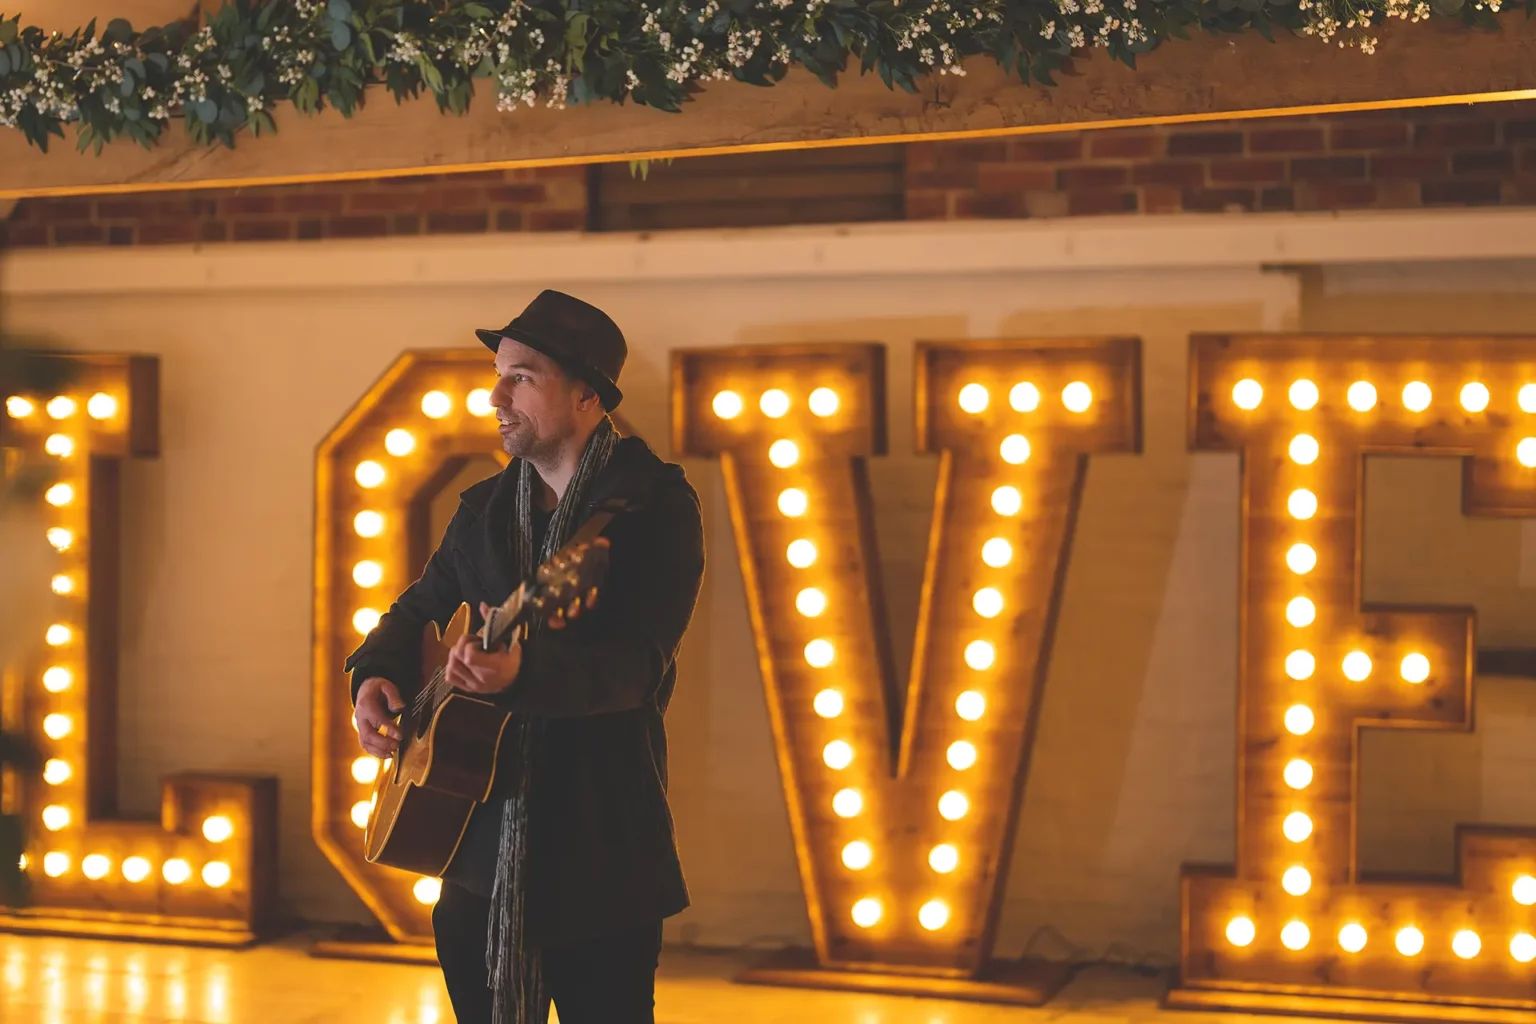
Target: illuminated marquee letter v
(903, 840)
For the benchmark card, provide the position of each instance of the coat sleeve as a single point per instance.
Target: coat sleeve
(393, 649)
(614, 657)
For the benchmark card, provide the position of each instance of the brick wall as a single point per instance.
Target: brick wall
(1383, 159)
(543, 199)
(1445, 156)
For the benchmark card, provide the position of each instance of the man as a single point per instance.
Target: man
(563, 877)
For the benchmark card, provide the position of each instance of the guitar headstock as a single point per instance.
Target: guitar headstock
(567, 584)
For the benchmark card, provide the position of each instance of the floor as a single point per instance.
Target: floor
(71, 981)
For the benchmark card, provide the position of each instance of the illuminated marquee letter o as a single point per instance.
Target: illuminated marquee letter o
(1294, 927)
(207, 872)
(903, 852)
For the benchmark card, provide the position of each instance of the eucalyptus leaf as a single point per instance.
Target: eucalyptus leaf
(5, 63)
(341, 35)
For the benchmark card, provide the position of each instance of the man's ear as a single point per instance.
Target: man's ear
(588, 397)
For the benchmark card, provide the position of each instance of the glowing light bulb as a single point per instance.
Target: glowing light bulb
(1524, 891)
(953, 805)
(1362, 396)
(217, 828)
(783, 453)
(55, 863)
(857, 855)
(1300, 611)
(1299, 719)
(56, 772)
(365, 769)
(55, 817)
(216, 874)
(810, 602)
(1301, 559)
(1410, 941)
(997, 552)
(58, 635)
(1247, 394)
(368, 523)
(988, 602)
(974, 399)
(1302, 504)
(135, 869)
(60, 538)
(980, 655)
(59, 495)
(101, 406)
(19, 408)
(801, 554)
(369, 474)
(1525, 451)
(57, 679)
(1240, 931)
(970, 705)
(1300, 664)
(1474, 397)
(1357, 666)
(1297, 881)
(943, 858)
(367, 573)
(57, 726)
(435, 405)
(1303, 394)
(1296, 827)
(837, 755)
(1527, 398)
(61, 584)
(819, 653)
(828, 703)
(774, 403)
(1014, 449)
(61, 445)
(1024, 397)
(364, 620)
(1077, 396)
(933, 915)
(61, 408)
(847, 803)
(176, 871)
(478, 403)
(427, 891)
(1006, 501)
(399, 442)
(961, 755)
(360, 813)
(1466, 943)
(1523, 947)
(1415, 668)
(793, 502)
(1304, 449)
(1416, 396)
(823, 402)
(1352, 938)
(1295, 936)
(866, 912)
(1298, 774)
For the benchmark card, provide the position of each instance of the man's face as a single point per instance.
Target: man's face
(536, 402)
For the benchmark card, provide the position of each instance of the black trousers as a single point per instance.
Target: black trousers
(610, 979)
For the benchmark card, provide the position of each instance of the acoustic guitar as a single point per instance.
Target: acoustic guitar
(445, 764)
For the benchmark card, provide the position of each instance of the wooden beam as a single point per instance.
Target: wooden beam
(1206, 78)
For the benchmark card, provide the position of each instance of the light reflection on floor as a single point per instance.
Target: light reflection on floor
(76, 981)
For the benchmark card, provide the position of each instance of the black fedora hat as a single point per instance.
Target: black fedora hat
(580, 337)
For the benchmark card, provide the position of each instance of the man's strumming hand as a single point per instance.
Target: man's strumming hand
(378, 702)
(476, 671)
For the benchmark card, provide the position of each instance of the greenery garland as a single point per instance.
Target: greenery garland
(230, 72)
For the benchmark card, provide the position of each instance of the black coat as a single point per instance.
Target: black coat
(603, 854)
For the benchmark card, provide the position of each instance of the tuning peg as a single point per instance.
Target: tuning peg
(557, 620)
(574, 611)
(592, 597)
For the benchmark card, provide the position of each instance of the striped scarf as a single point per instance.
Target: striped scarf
(515, 968)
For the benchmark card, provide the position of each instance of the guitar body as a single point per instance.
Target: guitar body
(443, 770)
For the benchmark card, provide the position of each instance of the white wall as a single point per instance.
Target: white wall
(264, 348)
